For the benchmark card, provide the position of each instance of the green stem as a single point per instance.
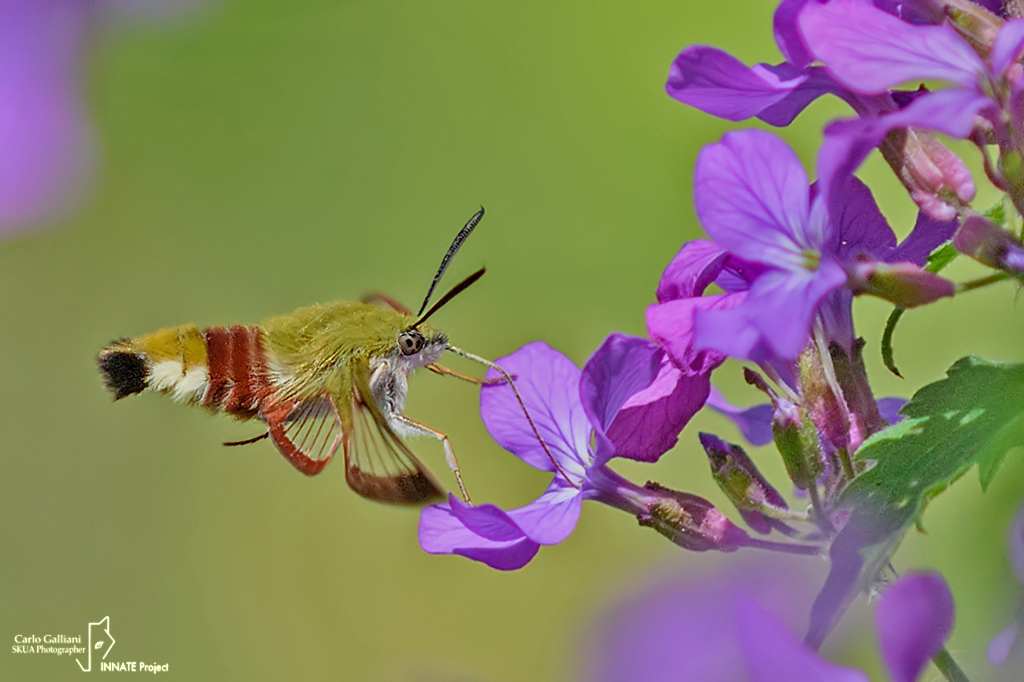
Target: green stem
(982, 282)
(819, 509)
(782, 514)
(948, 667)
(844, 457)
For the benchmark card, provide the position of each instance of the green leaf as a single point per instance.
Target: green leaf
(974, 416)
(997, 214)
(941, 257)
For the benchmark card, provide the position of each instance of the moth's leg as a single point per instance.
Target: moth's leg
(404, 426)
(444, 371)
(247, 441)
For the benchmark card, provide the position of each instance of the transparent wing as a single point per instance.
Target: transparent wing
(309, 434)
(378, 465)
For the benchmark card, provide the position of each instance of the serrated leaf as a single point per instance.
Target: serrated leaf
(996, 213)
(974, 416)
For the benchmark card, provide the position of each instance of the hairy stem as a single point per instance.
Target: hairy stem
(819, 509)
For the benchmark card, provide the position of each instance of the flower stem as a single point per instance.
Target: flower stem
(789, 548)
(948, 667)
(981, 282)
(782, 514)
(819, 510)
(844, 458)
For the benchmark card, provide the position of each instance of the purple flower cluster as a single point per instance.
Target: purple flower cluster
(773, 286)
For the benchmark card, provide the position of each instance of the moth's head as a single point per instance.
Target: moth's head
(421, 345)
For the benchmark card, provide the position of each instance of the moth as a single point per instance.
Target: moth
(320, 378)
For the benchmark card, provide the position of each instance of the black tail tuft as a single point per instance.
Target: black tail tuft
(124, 372)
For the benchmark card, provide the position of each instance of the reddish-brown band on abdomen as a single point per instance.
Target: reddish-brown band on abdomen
(237, 369)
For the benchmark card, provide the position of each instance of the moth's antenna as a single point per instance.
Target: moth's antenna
(522, 405)
(452, 293)
(452, 250)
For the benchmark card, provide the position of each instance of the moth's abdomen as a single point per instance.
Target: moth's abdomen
(237, 370)
(219, 368)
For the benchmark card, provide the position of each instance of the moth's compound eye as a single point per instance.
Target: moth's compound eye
(411, 342)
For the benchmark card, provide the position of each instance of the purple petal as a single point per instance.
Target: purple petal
(738, 274)
(774, 320)
(440, 532)
(858, 226)
(1016, 545)
(816, 82)
(1002, 646)
(917, 11)
(671, 325)
(772, 653)
(486, 520)
(914, 619)
(952, 111)
(691, 271)
(719, 84)
(890, 408)
(872, 51)
(1008, 46)
(552, 517)
(928, 234)
(682, 628)
(649, 423)
(836, 314)
(751, 194)
(549, 385)
(755, 423)
(622, 366)
(787, 33)
(45, 136)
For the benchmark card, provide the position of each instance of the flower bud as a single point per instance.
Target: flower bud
(936, 178)
(743, 484)
(975, 23)
(690, 521)
(904, 284)
(989, 244)
(823, 402)
(797, 442)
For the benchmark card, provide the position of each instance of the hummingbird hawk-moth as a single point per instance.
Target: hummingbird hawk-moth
(320, 378)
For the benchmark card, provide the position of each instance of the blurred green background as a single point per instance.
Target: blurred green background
(260, 156)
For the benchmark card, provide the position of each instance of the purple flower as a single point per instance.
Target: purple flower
(719, 84)
(914, 619)
(684, 626)
(628, 397)
(780, 250)
(739, 625)
(47, 146)
(1009, 639)
(45, 136)
(870, 51)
